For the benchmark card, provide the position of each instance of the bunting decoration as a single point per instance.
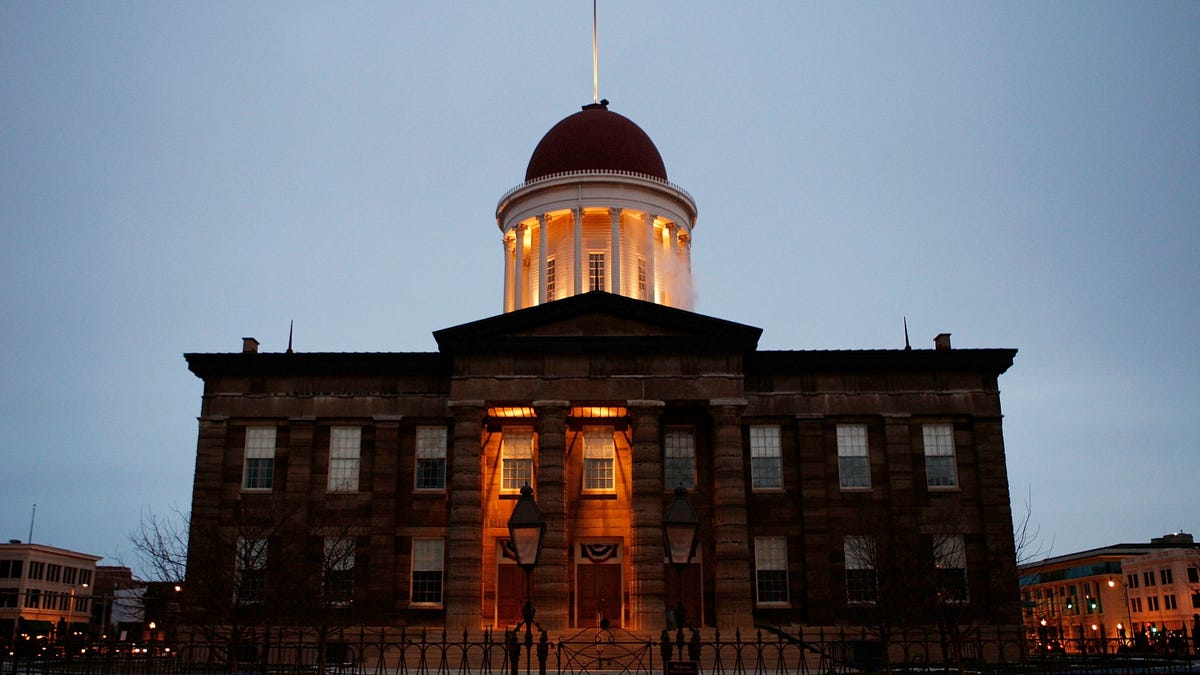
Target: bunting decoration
(598, 553)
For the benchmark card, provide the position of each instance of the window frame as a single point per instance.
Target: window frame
(950, 569)
(345, 448)
(597, 277)
(337, 570)
(862, 573)
(423, 562)
(771, 572)
(258, 459)
(941, 456)
(679, 459)
(551, 279)
(599, 460)
(250, 570)
(431, 451)
(766, 451)
(518, 456)
(854, 456)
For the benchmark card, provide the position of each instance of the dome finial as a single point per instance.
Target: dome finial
(595, 59)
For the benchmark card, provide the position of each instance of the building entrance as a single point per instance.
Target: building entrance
(599, 594)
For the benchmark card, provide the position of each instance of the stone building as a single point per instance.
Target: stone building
(45, 592)
(833, 487)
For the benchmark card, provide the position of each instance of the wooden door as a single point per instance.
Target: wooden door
(510, 595)
(597, 595)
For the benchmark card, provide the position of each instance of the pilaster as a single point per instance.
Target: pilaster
(734, 604)
(543, 253)
(464, 555)
(614, 284)
(577, 222)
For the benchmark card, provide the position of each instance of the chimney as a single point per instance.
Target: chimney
(249, 345)
(942, 342)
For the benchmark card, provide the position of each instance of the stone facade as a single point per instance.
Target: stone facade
(600, 383)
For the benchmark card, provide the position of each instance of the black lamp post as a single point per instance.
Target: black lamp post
(681, 530)
(526, 528)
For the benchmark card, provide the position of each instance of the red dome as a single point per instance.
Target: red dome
(595, 139)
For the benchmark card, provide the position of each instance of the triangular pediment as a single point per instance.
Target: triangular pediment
(598, 320)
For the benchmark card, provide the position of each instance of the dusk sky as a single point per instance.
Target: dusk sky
(177, 175)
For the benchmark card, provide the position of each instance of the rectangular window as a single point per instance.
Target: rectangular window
(1133, 580)
(251, 570)
(1148, 577)
(766, 460)
(516, 449)
(69, 574)
(33, 598)
(950, 563)
(259, 470)
(11, 569)
(862, 585)
(1166, 577)
(854, 464)
(1193, 575)
(770, 570)
(679, 459)
(85, 577)
(641, 279)
(595, 271)
(1152, 603)
(53, 572)
(339, 570)
(1169, 601)
(8, 597)
(1136, 603)
(37, 570)
(431, 458)
(551, 279)
(941, 468)
(427, 572)
(599, 456)
(345, 448)
(1196, 600)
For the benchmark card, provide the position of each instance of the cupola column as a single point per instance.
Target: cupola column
(542, 237)
(509, 282)
(615, 246)
(577, 217)
(651, 286)
(518, 264)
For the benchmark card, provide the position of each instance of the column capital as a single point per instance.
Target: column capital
(550, 403)
(728, 403)
(645, 403)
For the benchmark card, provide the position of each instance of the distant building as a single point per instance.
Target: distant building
(45, 592)
(832, 487)
(1116, 592)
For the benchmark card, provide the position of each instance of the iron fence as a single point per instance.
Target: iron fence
(767, 651)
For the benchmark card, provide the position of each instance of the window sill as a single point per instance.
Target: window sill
(425, 605)
(858, 489)
(768, 490)
(598, 495)
(944, 488)
(773, 605)
(429, 492)
(257, 491)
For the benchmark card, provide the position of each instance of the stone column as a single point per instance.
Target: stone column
(734, 580)
(551, 579)
(577, 219)
(651, 286)
(614, 284)
(464, 554)
(648, 589)
(518, 265)
(542, 255)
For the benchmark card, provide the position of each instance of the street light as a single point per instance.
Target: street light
(681, 530)
(1112, 583)
(526, 529)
